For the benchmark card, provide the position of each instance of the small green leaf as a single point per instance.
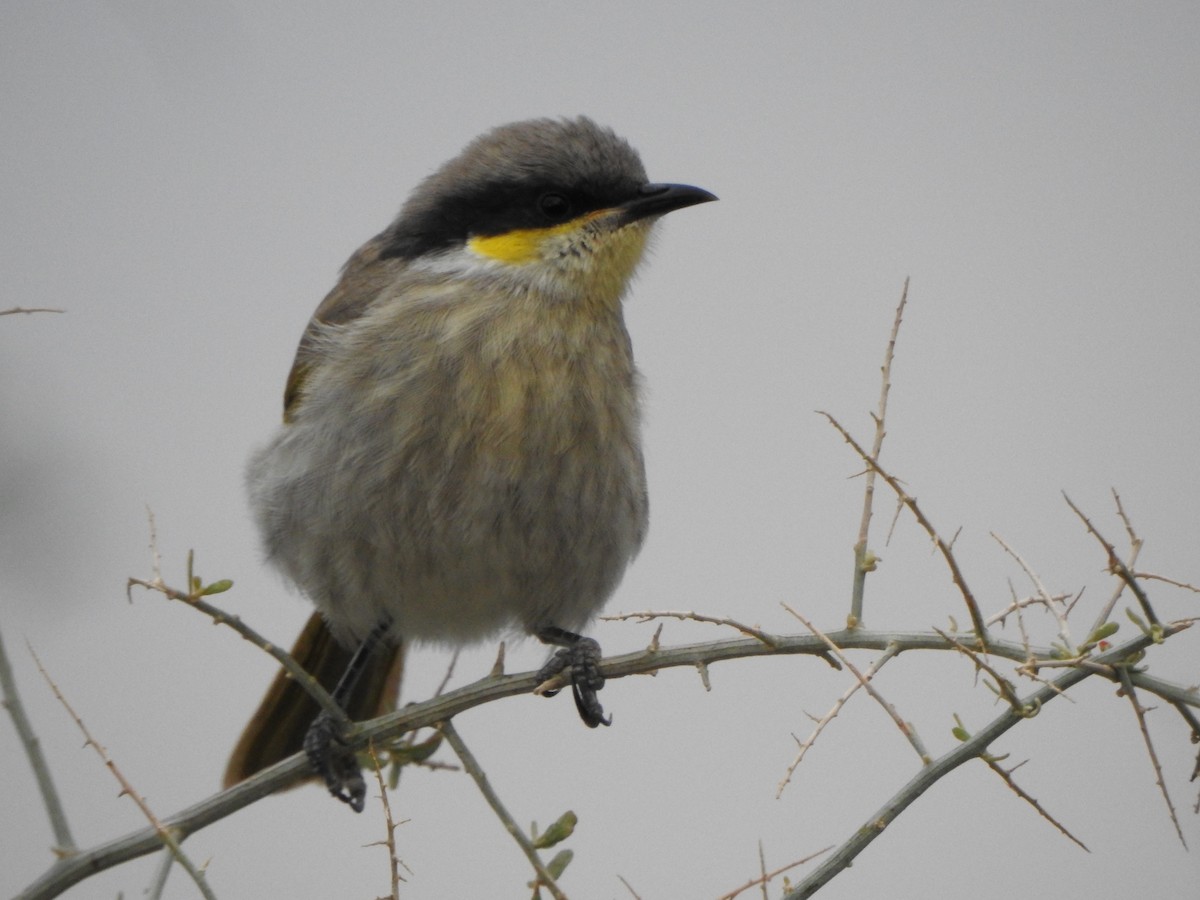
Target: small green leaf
(1107, 630)
(415, 753)
(558, 832)
(558, 865)
(217, 587)
(961, 733)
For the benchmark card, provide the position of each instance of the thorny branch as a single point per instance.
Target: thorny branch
(767, 877)
(1140, 712)
(1116, 565)
(1043, 595)
(10, 699)
(682, 615)
(194, 597)
(906, 728)
(391, 825)
(976, 745)
(863, 563)
(1006, 774)
(472, 767)
(72, 870)
(162, 832)
(804, 746)
(943, 547)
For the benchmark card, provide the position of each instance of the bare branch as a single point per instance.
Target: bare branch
(159, 884)
(1004, 687)
(862, 561)
(807, 743)
(1140, 712)
(1006, 774)
(1116, 566)
(1019, 604)
(163, 833)
(65, 843)
(975, 745)
(390, 841)
(195, 599)
(766, 877)
(906, 728)
(1044, 595)
(1150, 576)
(629, 887)
(64, 873)
(472, 767)
(944, 548)
(693, 617)
(497, 668)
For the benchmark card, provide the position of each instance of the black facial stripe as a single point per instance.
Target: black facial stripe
(495, 208)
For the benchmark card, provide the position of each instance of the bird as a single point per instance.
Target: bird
(460, 453)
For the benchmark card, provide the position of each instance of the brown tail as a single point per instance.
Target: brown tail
(276, 730)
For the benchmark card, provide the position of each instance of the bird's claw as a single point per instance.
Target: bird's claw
(331, 757)
(579, 659)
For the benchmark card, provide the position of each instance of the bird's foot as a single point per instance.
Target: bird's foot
(331, 758)
(576, 661)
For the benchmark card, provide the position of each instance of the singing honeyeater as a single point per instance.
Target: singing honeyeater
(460, 453)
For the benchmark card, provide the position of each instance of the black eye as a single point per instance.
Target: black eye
(554, 207)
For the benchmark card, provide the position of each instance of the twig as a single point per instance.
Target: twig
(945, 549)
(767, 877)
(1015, 607)
(1022, 603)
(702, 671)
(656, 640)
(862, 563)
(807, 743)
(64, 842)
(887, 541)
(629, 887)
(1116, 566)
(1063, 631)
(1006, 774)
(1004, 687)
(1194, 724)
(166, 863)
(67, 872)
(1150, 576)
(906, 728)
(163, 833)
(975, 745)
(473, 769)
(195, 599)
(693, 617)
(390, 841)
(26, 310)
(1140, 712)
(454, 661)
(1135, 548)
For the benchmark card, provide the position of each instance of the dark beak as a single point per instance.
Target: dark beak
(658, 199)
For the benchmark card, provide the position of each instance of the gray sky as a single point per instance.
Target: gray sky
(185, 181)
